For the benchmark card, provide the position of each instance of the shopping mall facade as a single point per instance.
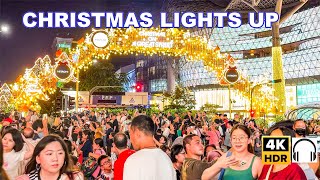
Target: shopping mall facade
(300, 40)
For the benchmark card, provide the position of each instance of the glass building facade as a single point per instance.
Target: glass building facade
(300, 40)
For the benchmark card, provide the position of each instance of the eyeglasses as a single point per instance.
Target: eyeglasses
(106, 162)
(240, 139)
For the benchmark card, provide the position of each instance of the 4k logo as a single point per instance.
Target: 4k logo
(276, 150)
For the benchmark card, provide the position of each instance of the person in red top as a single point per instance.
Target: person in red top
(282, 171)
(290, 172)
(120, 146)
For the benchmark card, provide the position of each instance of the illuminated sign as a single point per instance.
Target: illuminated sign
(64, 45)
(63, 71)
(153, 39)
(100, 39)
(231, 75)
(308, 93)
(32, 88)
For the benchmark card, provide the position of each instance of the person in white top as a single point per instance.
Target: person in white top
(50, 161)
(149, 162)
(13, 152)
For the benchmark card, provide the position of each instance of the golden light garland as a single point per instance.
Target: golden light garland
(100, 44)
(176, 42)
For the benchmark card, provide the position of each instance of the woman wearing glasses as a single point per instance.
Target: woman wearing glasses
(249, 166)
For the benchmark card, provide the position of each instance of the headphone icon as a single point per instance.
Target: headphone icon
(313, 155)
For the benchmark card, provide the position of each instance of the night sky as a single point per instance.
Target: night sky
(20, 48)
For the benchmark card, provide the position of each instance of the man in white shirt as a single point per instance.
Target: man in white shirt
(148, 162)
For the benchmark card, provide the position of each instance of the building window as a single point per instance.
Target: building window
(152, 71)
(140, 63)
(158, 85)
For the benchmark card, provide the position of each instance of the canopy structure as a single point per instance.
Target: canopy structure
(305, 111)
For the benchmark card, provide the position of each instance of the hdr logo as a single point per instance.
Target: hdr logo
(276, 150)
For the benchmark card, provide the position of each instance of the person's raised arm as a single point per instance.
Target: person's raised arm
(29, 153)
(222, 162)
(45, 126)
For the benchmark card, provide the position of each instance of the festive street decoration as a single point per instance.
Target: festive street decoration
(43, 78)
(36, 84)
(5, 96)
(64, 69)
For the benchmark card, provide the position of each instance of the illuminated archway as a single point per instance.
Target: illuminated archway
(166, 41)
(41, 79)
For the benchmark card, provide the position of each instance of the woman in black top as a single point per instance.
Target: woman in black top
(177, 157)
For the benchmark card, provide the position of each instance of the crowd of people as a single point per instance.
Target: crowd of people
(106, 146)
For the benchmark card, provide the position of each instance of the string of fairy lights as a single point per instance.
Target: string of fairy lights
(41, 80)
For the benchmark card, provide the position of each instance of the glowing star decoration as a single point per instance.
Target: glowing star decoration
(63, 69)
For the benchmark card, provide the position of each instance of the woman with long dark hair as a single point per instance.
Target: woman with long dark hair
(290, 171)
(177, 157)
(86, 146)
(97, 148)
(13, 153)
(3, 173)
(249, 166)
(50, 161)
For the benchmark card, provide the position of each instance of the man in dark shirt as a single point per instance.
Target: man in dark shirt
(189, 117)
(115, 124)
(93, 117)
(170, 117)
(109, 130)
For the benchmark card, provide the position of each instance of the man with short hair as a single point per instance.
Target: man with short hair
(148, 162)
(120, 145)
(236, 119)
(29, 135)
(193, 167)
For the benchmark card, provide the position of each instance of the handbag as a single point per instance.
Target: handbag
(89, 167)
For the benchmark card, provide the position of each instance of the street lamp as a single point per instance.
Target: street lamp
(4, 29)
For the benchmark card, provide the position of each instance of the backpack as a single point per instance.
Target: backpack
(89, 167)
